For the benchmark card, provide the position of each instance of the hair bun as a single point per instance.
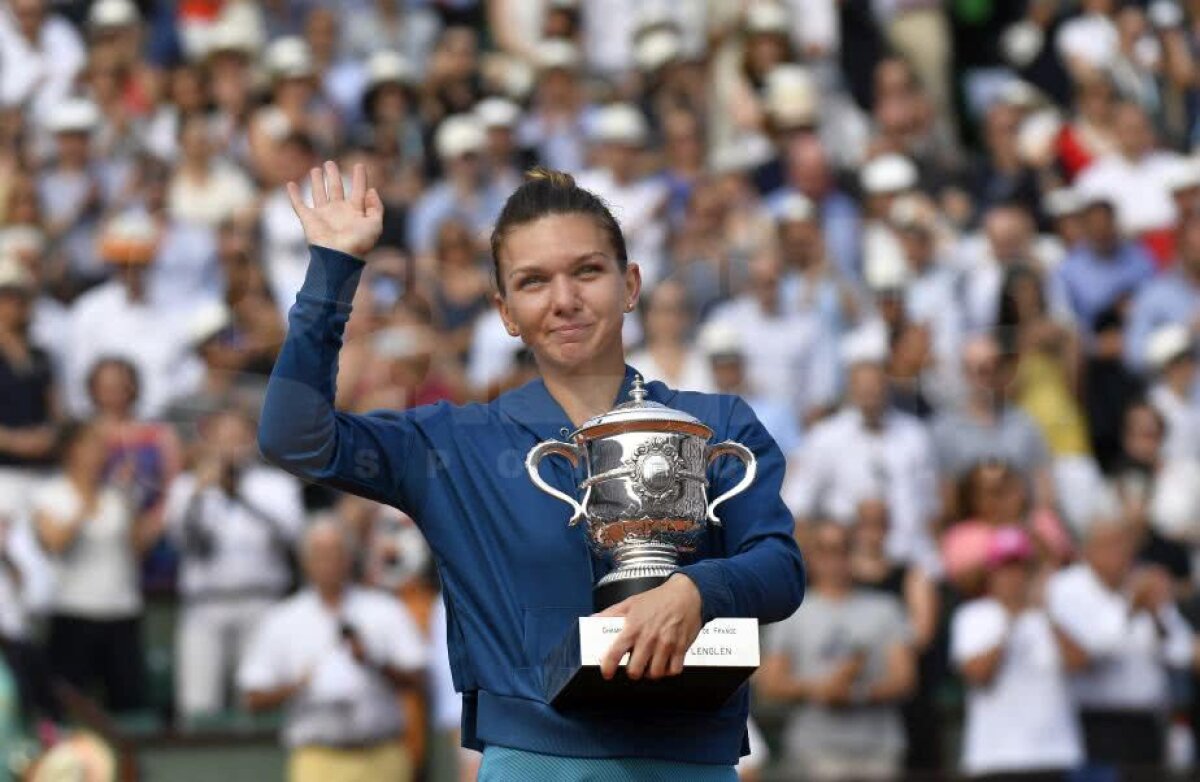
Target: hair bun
(552, 176)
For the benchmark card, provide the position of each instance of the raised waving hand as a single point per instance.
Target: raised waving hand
(347, 223)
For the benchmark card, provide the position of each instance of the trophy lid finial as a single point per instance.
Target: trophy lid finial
(638, 392)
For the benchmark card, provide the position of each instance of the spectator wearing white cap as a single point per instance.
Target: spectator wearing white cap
(725, 349)
(619, 135)
(869, 450)
(41, 53)
(556, 123)
(1171, 358)
(1136, 179)
(807, 171)
(235, 522)
(1064, 208)
(883, 181)
(406, 28)
(1123, 617)
(1104, 268)
(76, 186)
(204, 189)
(466, 191)
(794, 360)
(812, 283)
(504, 159)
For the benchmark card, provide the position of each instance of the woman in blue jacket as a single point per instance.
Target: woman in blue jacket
(516, 576)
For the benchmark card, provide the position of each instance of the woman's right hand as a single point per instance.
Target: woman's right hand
(349, 224)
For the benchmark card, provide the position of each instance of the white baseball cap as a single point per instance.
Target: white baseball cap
(657, 48)
(792, 96)
(497, 112)
(766, 17)
(557, 53)
(619, 123)
(1166, 344)
(73, 115)
(112, 13)
(14, 275)
(388, 67)
(289, 58)
(719, 338)
(794, 207)
(1063, 202)
(884, 268)
(459, 135)
(888, 174)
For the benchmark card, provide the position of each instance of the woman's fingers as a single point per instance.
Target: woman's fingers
(639, 658)
(333, 180)
(358, 186)
(319, 196)
(660, 663)
(612, 658)
(297, 199)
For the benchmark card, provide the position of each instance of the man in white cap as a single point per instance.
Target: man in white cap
(883, 181)
(812, 283)
(466, 189)
(42, 54)
(504, 159)
(555, 126)
(619, 134)
(869, 448)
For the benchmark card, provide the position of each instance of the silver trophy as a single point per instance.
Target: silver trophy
(645, 497)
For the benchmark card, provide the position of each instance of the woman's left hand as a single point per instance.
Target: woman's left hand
(660, 626)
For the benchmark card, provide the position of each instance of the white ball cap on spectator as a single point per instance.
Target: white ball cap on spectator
(1183, 175)
(719, 339)
(557, 54)
(459, 135)
(22, 239)
(888, 174)
(14, 276)
(388, 67)
(401, 342)
(792, 96)
(909, 213)
(657, 48)
(73, 115)
(1037, 135)
(497, 113)
(289, 58)
(867, 344)
(794, 208)
(619, 123)
(108, 14)
(767, 17)
(1166, 344)
(1063, 202)
(227, 36)
(207, 321)
(884, 268)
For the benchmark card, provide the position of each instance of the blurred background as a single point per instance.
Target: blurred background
(949, 251)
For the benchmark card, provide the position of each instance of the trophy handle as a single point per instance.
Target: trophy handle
(572, 453)
(730, 448)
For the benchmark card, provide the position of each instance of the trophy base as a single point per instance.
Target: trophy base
(605, 595)
(718, 663)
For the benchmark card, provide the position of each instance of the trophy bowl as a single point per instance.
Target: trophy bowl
(645, 497)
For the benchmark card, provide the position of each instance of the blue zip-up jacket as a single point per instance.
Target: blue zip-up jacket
(515, 576)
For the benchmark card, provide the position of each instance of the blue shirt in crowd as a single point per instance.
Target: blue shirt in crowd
(1093, 282)
(516, 577)
(1172, 298)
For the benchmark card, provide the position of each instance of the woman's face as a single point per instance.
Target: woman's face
(1143, 435)
(668, 317)
(113, 390)
(563, 291)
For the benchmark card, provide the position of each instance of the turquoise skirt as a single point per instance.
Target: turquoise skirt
(501, 764)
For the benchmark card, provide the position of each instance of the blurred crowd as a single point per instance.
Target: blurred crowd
(948, 251)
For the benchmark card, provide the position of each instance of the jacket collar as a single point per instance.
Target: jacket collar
(532, 406)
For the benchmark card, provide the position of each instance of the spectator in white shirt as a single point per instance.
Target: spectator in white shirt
(90, 530)
(869, 450)
(234, 520)
(639, 204)
(1020, 718)
(1124, 619)
(1171, 356)
(203, 189)
(339, 685)
(790, 357)
(40, 56)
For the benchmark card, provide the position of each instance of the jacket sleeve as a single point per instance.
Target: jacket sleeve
(300, 431)
(762, 575)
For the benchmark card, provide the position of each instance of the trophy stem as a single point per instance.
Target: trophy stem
(639, 567)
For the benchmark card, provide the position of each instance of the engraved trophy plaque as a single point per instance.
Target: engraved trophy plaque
(645, 502)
